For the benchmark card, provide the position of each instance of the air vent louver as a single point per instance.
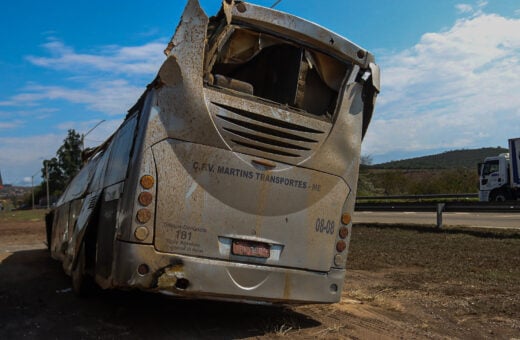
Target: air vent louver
(265, 131)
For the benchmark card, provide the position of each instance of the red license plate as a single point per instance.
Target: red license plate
(250, 248)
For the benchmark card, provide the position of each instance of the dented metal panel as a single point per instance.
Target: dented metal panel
(234, 176)
(300, 30)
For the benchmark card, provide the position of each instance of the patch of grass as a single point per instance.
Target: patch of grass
(283, 330)
(457, 263)
(326, 332)
(23, 215)
(282, 325)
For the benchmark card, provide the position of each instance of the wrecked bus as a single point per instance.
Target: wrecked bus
(234, 175)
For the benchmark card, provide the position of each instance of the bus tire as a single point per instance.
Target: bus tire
(81, 283)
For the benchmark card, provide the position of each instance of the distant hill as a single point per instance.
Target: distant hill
(446, 160)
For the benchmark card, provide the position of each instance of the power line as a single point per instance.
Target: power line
(276, 3)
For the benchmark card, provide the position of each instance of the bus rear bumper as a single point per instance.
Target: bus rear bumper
(142, 267)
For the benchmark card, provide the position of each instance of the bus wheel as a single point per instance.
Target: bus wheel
(81, 283)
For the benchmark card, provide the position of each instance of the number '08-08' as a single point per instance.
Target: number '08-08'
(324, 226)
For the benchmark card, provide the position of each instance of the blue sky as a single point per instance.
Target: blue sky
(450, 70)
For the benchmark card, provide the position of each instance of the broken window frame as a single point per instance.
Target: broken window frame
(219, 33)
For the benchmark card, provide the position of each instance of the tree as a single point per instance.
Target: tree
(64, 166)
(69, 155)
(366, 160)
(56, 178)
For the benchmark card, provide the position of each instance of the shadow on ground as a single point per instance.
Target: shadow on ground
(36, 302)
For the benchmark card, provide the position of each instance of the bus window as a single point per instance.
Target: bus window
(78, 186)
(120, 153)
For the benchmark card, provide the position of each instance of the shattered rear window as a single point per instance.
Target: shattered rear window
(278, 70)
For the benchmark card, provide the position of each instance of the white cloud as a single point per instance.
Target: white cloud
(10, 125)
(454, 89)
(128, 60)
(11, 119)
(104, 80)
(482, 3)
(22, 157)
(111, 96)
(469, 9)
(464, 8)
(108, 80)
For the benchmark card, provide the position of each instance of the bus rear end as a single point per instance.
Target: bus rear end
(250, 160)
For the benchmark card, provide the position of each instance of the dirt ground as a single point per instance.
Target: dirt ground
(402, 282)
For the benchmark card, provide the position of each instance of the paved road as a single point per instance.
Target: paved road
(491, 220)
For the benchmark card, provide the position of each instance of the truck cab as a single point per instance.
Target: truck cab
(494, 179)
(499, 176)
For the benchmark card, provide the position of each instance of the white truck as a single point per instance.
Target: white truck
(499, 176)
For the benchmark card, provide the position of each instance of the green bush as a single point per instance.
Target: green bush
(417, 182)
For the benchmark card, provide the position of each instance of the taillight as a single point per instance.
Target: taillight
(346, 218)
(145, 198)
(144, 215)
(343, 232)
(341, 244)
(141, 233)
(147, 181)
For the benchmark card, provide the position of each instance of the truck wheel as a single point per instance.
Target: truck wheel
(499, 196)
(82, 284)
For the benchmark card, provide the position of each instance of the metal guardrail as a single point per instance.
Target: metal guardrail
(418, 197)
(439, 208)
(492, 207)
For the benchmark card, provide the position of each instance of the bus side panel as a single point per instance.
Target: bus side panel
(113, 182)
(106, 230)
(74, 210)
(59, 228)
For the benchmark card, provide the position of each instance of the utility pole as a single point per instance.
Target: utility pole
(47, 180)
(32, 191)
(32, 188)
